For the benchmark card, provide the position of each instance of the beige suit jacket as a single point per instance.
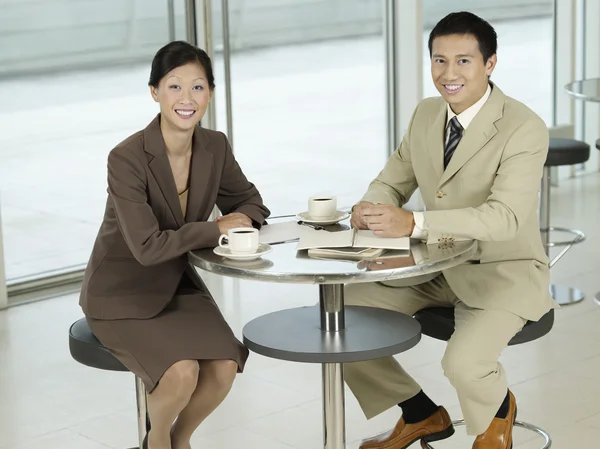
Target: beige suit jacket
(488, 192)
(140, 253)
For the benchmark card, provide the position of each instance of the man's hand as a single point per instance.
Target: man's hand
(356, 221)
(388, 221)
(233, 220)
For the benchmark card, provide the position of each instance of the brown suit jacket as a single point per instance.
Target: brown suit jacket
(140, 253)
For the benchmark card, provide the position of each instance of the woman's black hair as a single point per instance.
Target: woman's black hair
(175, 54)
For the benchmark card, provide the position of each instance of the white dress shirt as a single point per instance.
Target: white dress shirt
(464, 118)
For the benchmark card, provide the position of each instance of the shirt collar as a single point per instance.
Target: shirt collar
(466, 117)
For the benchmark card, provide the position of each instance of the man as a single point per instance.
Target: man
(477, 156)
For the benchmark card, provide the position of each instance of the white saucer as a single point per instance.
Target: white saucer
(223, 251)
(339, 216)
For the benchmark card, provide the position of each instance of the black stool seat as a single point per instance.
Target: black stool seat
(438, 323)
(87, 350)
(567, 152)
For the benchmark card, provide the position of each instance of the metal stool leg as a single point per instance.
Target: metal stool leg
(142, 410)
(541, 432)
(563, 295)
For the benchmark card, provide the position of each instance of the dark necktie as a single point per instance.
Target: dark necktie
(456, 130)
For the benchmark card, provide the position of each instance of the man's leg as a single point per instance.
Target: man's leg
(471, 362)
(382, 383)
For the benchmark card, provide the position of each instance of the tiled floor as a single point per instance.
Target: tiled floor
(48, 401)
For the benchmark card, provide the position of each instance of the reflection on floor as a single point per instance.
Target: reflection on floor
(48, 401)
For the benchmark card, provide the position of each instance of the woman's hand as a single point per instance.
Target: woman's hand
(233, 220)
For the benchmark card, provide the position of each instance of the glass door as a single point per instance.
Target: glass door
(307, 85)
(73, 83)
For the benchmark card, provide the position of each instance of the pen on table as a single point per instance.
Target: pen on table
(315, 227)
(284, 241)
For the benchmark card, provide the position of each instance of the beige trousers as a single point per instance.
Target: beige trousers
(470, 361)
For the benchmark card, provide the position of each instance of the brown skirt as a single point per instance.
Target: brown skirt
(191, 327)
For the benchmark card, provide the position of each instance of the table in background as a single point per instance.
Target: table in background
(586, 90)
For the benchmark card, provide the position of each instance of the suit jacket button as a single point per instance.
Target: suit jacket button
(439, 194)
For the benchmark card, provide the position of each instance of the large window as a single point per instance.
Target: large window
(73, 84)
(308, 106)
(308, 92)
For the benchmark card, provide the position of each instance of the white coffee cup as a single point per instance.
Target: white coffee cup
(240, 240)
(322, 206)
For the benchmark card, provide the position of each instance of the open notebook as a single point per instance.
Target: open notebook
(351, 244)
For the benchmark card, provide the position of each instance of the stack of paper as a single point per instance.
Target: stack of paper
(351, 244)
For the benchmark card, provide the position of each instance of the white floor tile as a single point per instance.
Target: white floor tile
(557, 399)
(237, 437)
(61, 439)
(592, 421)
(118, 430)
(574, 436)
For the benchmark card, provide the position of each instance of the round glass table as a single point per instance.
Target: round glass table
(330, 333)
(587, 90)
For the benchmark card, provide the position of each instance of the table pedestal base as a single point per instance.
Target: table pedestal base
(334, 407)
(345, 335)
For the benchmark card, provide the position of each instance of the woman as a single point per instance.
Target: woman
(140, 297)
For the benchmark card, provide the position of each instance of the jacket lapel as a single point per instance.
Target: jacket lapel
(160, 167)
(200, 176)
(435, 141)
(477, 135)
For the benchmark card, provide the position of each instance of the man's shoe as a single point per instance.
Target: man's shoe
(437, 427)
(499, 433)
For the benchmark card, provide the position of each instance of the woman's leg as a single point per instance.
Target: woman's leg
(214, 382)
(168, 399)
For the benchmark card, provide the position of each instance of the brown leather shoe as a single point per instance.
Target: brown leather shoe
(499, 433)
(437, 427)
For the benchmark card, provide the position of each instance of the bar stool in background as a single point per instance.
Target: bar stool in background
(586, 90)
(561, 152)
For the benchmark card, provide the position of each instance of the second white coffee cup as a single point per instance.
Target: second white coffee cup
(240, 240)
(322, 206)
